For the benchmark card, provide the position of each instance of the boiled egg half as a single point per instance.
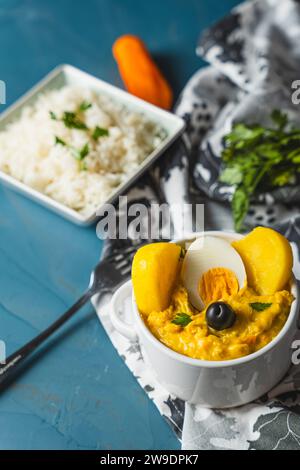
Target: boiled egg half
(211, 269)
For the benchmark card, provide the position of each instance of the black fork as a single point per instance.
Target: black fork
(107, 276)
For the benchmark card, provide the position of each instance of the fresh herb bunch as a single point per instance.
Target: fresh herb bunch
(258, 158)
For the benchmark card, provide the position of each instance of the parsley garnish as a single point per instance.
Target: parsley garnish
(80, 154)
(82, 166)
(260, 306)
(71, 121)
(60, 141)
(99, 132)
(84, 106)
(53, 115)
(258, 158)
(182, 319)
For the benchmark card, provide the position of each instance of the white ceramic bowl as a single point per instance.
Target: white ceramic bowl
(213, 384)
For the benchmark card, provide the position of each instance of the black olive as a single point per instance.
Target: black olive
(220, 316)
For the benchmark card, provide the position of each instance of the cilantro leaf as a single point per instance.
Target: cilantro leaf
(84, 106)
(71, 121)
(99, 132)
(241, 133)
(53, 115)
(60, 141)
(240, 205)
(84, 151)
(260, 306)
(80, 154)
(182, 319)
(83, 166)
(281, 177)
(231, 175)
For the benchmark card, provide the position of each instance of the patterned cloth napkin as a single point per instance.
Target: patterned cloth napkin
(254, 56)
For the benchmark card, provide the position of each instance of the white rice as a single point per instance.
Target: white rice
(29, 153)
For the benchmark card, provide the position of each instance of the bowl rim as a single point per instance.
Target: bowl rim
(230, 362)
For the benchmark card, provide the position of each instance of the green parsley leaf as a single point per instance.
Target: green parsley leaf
(84, 106)
(240, 206)
(281, 177)
(294, 155)
(60, 141)
(181, 319)
(80, 154)
(53, 115)
(231, 175)
(83, 166)
(84, 151)
(242, 132)
(260, 306)
(71, 121)
(99, 132)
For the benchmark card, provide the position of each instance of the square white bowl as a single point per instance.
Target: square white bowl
(69, 75)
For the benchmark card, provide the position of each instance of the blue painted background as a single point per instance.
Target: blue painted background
(77, 394)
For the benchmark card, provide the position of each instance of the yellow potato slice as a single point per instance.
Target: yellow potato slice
(154, 272)
(268, 259)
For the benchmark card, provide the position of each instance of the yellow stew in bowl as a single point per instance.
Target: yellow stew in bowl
(191, 335)
(215, 300)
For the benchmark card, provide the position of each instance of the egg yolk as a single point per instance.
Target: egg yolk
(217, 283)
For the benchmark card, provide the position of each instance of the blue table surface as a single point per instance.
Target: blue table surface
(77, 392)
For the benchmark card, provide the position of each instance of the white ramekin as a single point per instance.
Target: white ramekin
(213, 384)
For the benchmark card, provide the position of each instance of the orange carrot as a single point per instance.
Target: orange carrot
(140, 74)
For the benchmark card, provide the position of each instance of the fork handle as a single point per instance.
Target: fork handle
(18, 357)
